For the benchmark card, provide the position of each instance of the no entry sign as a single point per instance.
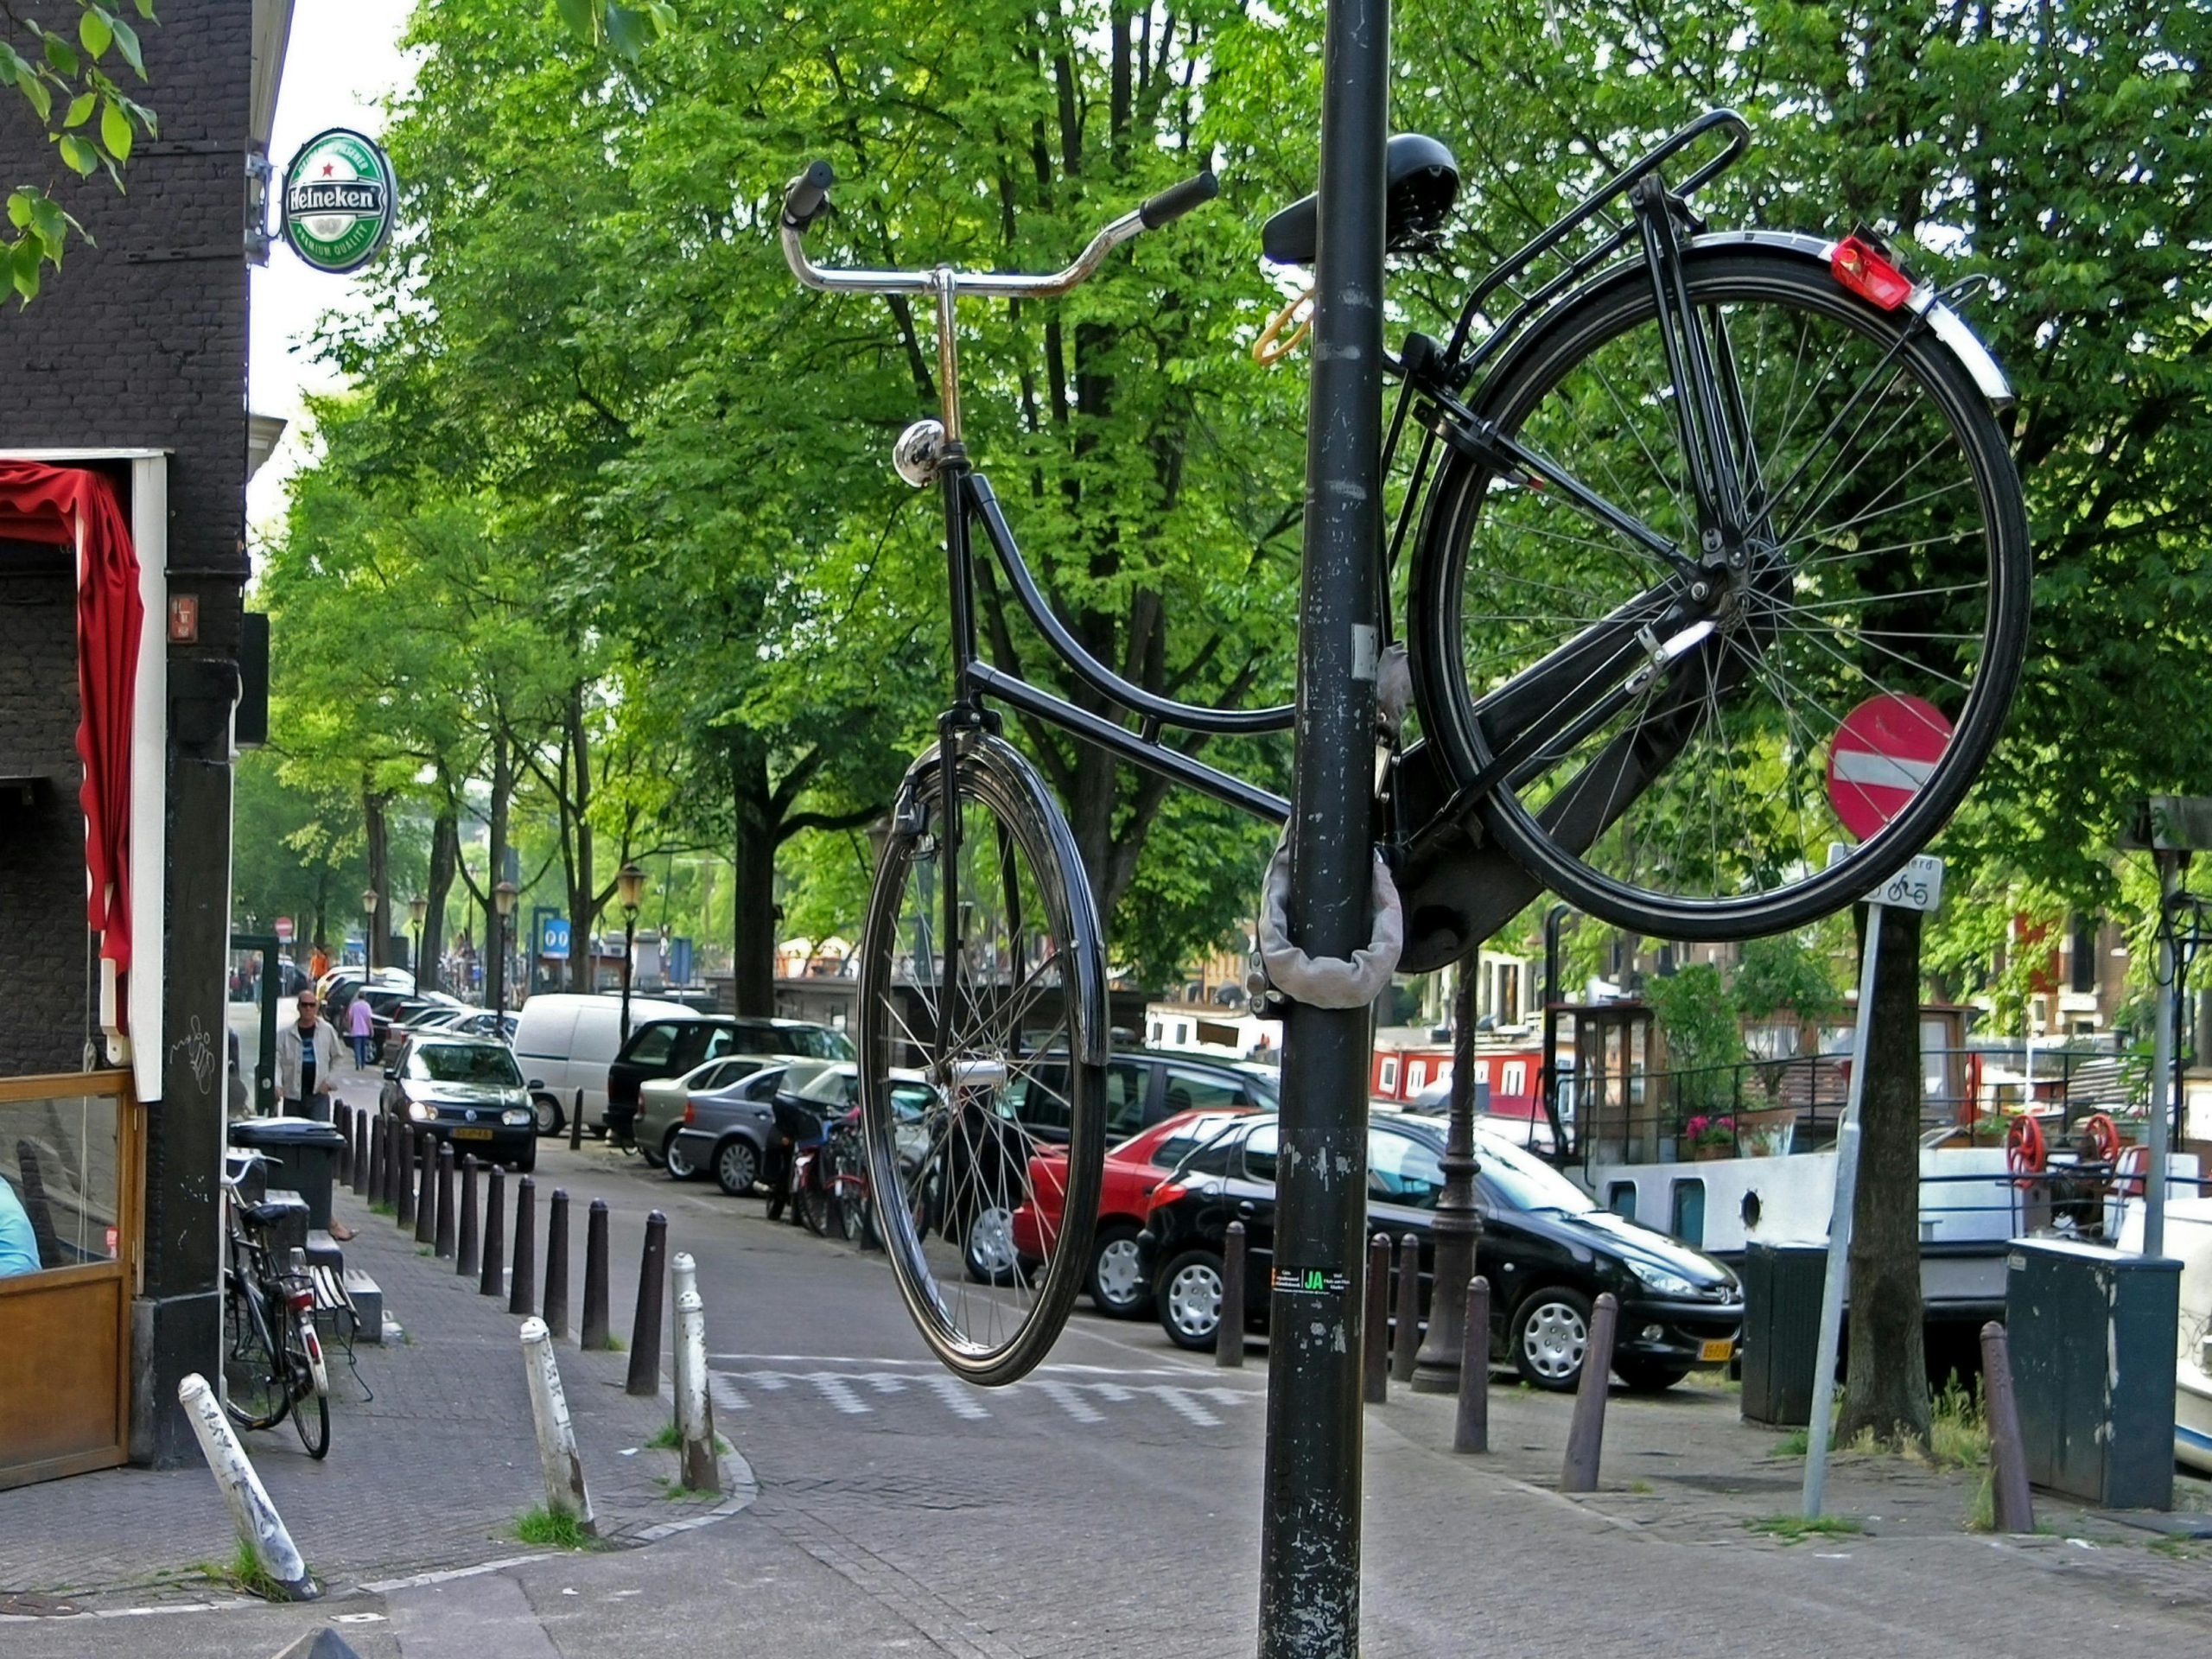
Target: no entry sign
(1885, 749)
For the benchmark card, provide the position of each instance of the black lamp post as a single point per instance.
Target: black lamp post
(1459, 1226)
(369, 901)
(630, 883)
(503, 907)
(418, 911)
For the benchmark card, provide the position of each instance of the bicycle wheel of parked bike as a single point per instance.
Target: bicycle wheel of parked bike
(1654, 708)
(997, 998)
(256, 1383)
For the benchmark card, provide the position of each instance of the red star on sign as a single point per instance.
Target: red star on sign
(327, 169)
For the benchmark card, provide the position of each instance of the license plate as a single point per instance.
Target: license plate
(485, 1135)
(1717, 1351)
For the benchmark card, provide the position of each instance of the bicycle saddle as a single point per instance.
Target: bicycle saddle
(259, 1215)
(1424, 183)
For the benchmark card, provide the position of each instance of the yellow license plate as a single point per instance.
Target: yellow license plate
(485, 1135)
(1717, 1351)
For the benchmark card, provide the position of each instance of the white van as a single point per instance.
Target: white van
(564, 1042)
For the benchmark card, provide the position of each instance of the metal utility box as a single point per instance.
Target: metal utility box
(2092, 1338)
(1782, 1331)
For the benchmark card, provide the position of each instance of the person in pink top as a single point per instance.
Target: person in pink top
(360, 1024)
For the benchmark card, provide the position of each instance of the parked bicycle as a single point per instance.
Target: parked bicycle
(273, 1362)
(1683, 500)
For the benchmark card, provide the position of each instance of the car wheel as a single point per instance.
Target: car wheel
(680, 1166)
(551, 1120)
(1189, 1299)
(988, 1254)
(528, 1161)
(736, 1167)
(1650, 1375)
(1117, 1287)
(652, 1157)
(1550, 1335)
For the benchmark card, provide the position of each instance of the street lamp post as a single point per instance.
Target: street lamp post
(630, 882)
(1459, 1226)
(418, 911)
(370, 899)
(503, 907)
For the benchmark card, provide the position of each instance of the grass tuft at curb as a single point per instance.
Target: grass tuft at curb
(555, 1527)
(1794, 1529)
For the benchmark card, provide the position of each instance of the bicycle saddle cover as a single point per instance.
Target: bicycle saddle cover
(1424, 183)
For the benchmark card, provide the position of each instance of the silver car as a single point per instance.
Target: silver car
(728, 1124)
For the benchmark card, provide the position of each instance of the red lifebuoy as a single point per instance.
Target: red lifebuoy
(2105, 1133)
(2025, 1153)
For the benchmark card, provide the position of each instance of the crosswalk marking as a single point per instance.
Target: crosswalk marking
(857, 1393)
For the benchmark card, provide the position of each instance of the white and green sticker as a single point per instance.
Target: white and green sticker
(339, 200)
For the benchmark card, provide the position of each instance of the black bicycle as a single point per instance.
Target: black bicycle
(1684, 502)
(273, 1364)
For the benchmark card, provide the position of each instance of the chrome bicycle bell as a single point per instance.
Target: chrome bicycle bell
(918, 452)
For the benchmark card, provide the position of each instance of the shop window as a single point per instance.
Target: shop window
(60, 1182)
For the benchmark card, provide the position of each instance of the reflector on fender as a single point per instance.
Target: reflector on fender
(1870, 273)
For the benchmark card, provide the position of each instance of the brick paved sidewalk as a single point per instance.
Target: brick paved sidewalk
(428, 1475)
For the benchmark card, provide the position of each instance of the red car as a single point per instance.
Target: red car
(1132, 1170)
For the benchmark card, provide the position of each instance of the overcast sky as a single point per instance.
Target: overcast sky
(343, 63)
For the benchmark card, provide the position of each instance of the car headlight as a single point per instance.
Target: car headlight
(515, 1116)
(1666, 1283)
(421, 1112)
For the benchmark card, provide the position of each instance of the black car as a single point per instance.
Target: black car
(1143, 1086)
(671, 1047)
(1547, 1251)
(467, 1090)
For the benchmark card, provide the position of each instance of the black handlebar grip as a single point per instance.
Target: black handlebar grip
(1178, 199)
(809, 195)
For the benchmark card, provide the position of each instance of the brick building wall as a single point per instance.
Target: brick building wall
(42, 1017)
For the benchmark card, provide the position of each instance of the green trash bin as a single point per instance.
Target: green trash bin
(1782, 1331)
(305, 1152)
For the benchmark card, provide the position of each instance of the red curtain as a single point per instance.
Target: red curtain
(77, 509)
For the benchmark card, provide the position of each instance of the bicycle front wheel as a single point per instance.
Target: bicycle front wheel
(1652, 708)
(256, 1383)
(982, 1060)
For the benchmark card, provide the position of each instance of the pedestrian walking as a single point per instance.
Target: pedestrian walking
(361, 1022)
(307, 1061)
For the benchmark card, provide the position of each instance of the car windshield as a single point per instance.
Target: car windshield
(1525, 1182)
(488, 1063)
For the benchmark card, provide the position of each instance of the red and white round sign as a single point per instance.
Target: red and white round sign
(1885, 749)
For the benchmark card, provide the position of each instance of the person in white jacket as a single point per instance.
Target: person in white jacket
(307, 1062)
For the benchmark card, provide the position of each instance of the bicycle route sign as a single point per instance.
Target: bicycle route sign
(339, 202)
(1886, 749)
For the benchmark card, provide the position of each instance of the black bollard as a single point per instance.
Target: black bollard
(2013, 1507)
(1471, 1430)
(644, 1334)
(402, 1174)
(379, 1139)
(341, 1119)
(555, 1307)
(495, 1212)
(446, 1217)
(1228, 1337)
(426, 1193)
(523, 1296)
(576, 1122)
(362, 1121)
(1405, 1340)
(469, 1253)
(1375, 1372)
(596, 1334)
(1586, 1434)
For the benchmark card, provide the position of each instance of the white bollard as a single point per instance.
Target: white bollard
(695, 1406)
(259, 1526)
(565, 1492)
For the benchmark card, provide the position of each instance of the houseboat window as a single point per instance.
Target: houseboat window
(1389, 1080)
(1688, 1223)
(1513, 1077)
(1620, 1198)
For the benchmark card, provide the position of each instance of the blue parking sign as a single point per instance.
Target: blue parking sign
(553, 938)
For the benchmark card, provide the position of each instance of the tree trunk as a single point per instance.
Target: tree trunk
(583, 908)
(752, 931)
(501, 948)
(375, 928)
(1886, 1389)
(445, 856)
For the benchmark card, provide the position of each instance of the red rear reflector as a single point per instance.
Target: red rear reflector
(1867, 271)
(300, 1300)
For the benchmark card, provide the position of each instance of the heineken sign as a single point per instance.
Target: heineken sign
(339, 200)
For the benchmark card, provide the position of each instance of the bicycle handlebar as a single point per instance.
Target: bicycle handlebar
(807, 198)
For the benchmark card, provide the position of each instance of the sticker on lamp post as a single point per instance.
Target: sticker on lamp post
(340, 200)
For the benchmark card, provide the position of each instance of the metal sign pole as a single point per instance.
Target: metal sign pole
(1309, 1540)
(2162, 1058)
(1846, 1195)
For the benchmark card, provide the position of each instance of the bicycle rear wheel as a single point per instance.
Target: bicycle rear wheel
(257, 1391)
(1011, 1039)
(1654, 717)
